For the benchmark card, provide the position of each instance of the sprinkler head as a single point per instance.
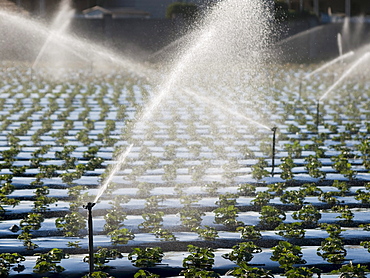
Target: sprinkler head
(89, 206)
(274, 129)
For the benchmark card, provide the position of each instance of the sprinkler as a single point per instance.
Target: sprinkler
(89, 207)
(273, 150)
(317, 115)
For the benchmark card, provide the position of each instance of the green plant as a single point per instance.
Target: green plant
(245, 270)
(121, 236)
(242, 252)
(227, 216)
(291, 230)
(345, 214)
(286, 166)
(364, 148)
(308, 214)
(246, 189)
(332, 250)
(207, 233)
(145, 274)
(164, 234)
(98, 274)
(293, 197)
(48, 262)
(262, 199)
(147, 257)
(287, 255)
(7, 260)
(115, 216)
(42, 202)
(313, 165)
(310, 189)
(71, 224)
(259, 171)
(352, 271)
(249, 232)
(152, 221)
(271, 217)
(103, 256)
(302, 272)
(186, 10)
(277, 187)
(199, 258)
(342, 165)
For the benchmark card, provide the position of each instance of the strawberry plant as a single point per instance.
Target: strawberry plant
(352, 271)
(207, 233)
(291, 230)
(286, 166)
(242, 253)
(48, 262)
(313, 165)
(346, 215)
(342, 165)
(293, 197)
(103, 256)
(147, 257)
(262, 199)
(115, 216)
(164, 234)
(287, 255)
(259, 171)
(245, 270)
(308, 214)
(8, 260)
(199, 262)
(71, 224)
(271, 217)
(145, 274)
(246, 189)
(249, 232)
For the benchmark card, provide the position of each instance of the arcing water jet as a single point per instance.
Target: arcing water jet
(345, 74)
(340, 58)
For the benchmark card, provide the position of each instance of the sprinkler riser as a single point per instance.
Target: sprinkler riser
(273, 150)
(89, 207)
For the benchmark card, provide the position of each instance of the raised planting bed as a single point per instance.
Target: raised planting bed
(197, 174)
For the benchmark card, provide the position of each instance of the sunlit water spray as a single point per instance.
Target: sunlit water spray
(328, 64)
(226, 108)
(58, 27)
(226, 47)
(120, 160)
(362, 59)
(33, 32)
(340, 44)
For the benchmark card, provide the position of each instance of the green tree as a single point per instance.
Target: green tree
(185, 10)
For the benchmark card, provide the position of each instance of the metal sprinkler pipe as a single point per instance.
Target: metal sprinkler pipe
(317, 115)
(89, 207)
(273, 150)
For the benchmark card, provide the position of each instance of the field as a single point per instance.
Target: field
(199, 181)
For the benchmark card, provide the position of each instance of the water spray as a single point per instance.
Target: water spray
(273, 150)
(89, 207)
